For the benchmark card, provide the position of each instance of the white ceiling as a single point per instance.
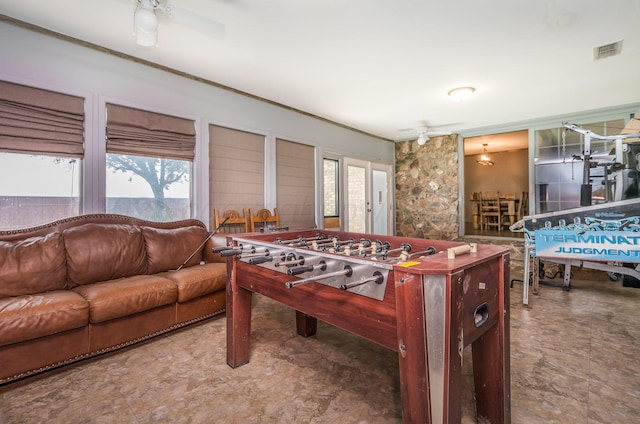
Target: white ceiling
(380, 66)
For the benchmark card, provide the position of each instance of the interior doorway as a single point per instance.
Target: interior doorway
(495, 163)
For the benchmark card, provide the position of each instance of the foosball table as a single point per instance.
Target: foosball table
(425, 299)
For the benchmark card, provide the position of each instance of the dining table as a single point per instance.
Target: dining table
(508, 207)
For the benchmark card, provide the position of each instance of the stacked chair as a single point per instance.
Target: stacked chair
(490, 214)
(263, 220)
(235, 224)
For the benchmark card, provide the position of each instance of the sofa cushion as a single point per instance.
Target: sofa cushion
(32, 265)
(100, 252)
(198, 280)
(169, 248)
(32, 316)
(126, 296)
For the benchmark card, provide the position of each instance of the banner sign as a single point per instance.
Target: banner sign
(607, 232)
(617, 246)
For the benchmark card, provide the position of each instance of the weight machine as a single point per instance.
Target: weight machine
(602, 237)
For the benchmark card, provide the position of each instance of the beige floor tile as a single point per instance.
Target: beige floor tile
(574, 359)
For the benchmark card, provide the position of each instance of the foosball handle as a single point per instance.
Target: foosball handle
(260, 260)
(230, 252)
(301, 269)
(452, 252)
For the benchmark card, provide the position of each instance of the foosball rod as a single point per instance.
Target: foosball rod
(404, 257)
(332, 245)
(257, 251)
(230, 250)
(375, 246)
(300, 239)
(322, 266)
(347, 271)
(377, 277)
(261, 253)
(301, 260)
(404, 247)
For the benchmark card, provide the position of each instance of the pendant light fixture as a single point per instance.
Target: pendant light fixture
(484, 157)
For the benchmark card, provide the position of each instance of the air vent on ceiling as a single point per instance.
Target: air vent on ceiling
(607, 50)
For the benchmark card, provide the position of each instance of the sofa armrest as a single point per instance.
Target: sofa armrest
(207, 253)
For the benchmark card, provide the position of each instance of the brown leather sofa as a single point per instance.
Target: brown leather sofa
(90, 284)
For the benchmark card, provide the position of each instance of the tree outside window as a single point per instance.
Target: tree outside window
(156, 189)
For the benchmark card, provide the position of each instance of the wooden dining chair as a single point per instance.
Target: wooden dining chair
(235, 224)
(508, 209)
(263, 220)
(523, 206)
(490, 214)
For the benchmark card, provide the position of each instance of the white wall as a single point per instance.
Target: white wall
(34, 59)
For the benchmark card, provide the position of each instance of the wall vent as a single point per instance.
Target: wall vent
(607, 50)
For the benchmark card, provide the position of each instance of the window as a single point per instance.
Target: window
(331, 192)
(559, 167)
(155, 189)
(41, 151)
(36, 189)
(149, 164)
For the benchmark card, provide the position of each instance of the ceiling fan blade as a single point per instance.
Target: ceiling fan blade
(196, 21)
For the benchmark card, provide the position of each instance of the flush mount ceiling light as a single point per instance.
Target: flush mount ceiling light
(461, 94)
(484, 157)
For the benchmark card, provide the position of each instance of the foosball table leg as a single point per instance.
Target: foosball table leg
(306, 325)
(238, 326)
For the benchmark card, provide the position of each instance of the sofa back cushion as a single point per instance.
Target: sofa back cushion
(33, 265)
(168, 248)
(99, 252)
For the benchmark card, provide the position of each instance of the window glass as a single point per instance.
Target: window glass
(155, 189)
(331, 194)
(37, 189)
(559, 167)
(357, 198)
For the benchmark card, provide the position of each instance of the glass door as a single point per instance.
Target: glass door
(380, 204)
(368, 197)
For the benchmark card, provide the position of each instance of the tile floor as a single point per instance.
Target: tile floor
(575, 358)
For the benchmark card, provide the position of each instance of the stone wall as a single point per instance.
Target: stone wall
(427, 188)
(427, 196)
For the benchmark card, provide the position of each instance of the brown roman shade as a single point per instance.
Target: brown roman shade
(141, 133)
(295, 184)
(37, 121)
(236, 170)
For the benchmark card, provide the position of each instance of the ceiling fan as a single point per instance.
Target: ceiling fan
(424, 135)
(145, 21)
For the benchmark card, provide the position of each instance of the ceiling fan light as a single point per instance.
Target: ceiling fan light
(146, 24)
(146, 39)
(423, 138)
(461, 94)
